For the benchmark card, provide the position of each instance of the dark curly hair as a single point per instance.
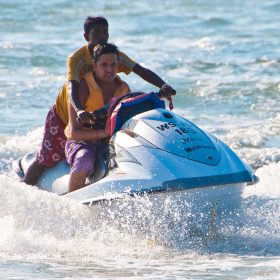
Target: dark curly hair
(90, 22)
(104, 49)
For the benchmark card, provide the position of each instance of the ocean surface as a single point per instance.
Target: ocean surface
(223, 59)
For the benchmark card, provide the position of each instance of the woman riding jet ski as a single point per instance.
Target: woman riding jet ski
(154, 151)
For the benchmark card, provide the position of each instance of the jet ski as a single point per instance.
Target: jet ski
(157, 153)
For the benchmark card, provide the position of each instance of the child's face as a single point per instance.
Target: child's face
(99, 34)
(106, 67)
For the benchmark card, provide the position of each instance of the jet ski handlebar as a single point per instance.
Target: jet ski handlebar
(99, 114)
(162, 94)
(104, 111)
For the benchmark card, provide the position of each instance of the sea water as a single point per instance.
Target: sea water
(222, 57)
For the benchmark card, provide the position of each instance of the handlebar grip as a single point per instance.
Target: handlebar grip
(100, 113)
(161, 93)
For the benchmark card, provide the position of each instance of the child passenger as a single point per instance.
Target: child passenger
(95, 90)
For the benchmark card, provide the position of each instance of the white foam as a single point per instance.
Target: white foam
(269, 184)
(38, 224)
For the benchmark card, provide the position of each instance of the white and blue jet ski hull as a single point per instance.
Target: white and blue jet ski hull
(159, 153)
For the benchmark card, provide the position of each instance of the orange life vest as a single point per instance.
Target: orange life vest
(95, 99)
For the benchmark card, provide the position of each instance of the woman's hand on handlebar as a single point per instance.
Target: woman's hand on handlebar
(100, 113)
(89, 118)
(83, 117)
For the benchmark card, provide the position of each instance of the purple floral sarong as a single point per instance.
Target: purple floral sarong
(81, 155)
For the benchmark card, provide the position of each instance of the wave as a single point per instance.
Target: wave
(37, 224)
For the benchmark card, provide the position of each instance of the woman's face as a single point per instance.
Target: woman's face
(106, 67)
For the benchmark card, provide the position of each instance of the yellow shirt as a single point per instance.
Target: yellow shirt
(78, 64)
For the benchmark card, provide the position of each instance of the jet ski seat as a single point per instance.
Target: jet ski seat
(130, 105)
